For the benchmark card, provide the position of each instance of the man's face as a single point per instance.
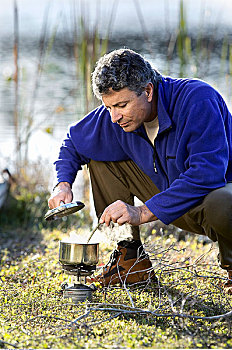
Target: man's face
(129, 110)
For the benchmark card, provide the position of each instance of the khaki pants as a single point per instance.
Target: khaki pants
(124, 180)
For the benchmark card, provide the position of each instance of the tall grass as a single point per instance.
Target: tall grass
(184, 49)
(16, 84)
(193, 50)
(88, 48)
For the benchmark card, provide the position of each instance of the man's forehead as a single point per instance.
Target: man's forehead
(115, 97)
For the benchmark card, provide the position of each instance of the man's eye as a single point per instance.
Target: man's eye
(122, 106)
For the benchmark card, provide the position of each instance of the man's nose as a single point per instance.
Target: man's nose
(115, 115)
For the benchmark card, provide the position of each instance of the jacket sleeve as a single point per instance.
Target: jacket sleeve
(203, 146)
(68, 162)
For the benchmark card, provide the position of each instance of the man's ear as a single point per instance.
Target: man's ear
(149, 90)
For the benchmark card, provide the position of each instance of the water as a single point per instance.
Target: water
(58, 100)
(156, 14)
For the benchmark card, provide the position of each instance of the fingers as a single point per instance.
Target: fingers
(62, 194)
(57, 200)
(111, 214)
(120, 213)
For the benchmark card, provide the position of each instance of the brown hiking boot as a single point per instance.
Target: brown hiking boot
(128, 264)
(228, 285)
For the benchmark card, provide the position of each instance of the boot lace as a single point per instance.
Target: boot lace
(113, 257)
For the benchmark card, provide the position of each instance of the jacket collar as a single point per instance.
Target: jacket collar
(165, 122)
(163, 116)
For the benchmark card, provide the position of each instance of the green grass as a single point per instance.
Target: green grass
(34, 315)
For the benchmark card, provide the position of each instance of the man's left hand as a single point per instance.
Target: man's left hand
(122, 213)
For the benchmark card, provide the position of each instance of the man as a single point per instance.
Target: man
(166, 141)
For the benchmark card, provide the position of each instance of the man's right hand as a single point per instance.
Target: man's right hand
(61, 193)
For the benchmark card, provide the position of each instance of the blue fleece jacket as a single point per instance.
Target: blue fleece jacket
(192, 154)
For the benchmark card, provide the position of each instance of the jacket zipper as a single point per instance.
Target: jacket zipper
(154, 158)
(170, 157)
(155, 155)
(154, 149)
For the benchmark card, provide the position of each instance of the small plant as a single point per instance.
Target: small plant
(182, 311)
(25, 209)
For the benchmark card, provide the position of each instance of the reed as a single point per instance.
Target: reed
(182, 35)
(43, 45)
(196, 51)
(16, 84)
(142, 22)
(224, 53)
(88, 47)
(24, 117)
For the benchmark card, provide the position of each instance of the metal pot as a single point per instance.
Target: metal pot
(74, 253)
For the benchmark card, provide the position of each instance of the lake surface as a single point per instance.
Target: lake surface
(58, 100)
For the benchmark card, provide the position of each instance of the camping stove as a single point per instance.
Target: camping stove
(78, 261)
(77, 289)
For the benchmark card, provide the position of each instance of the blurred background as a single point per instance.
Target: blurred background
(48, 50)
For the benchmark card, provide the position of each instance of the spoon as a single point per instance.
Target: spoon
(94, 230)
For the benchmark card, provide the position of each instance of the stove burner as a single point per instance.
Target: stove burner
(78, 291)
(79, 270)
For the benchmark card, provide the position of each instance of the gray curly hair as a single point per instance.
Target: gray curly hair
(123, 68)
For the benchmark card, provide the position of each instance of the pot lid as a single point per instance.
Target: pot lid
(63, 210)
